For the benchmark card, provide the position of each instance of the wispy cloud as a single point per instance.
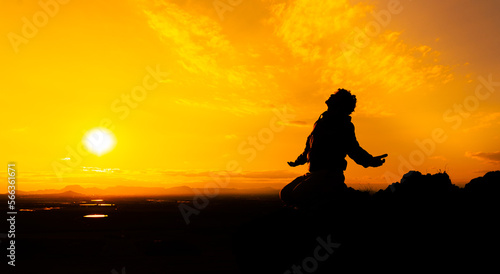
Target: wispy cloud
(101, 176)
(267, 174)
(313, 62)
(194, 38)
(484, 120)
(490, 157)
(297, 123)
(319, 34)
(207, 59)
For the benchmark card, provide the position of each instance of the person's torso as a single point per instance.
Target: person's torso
(330, 141)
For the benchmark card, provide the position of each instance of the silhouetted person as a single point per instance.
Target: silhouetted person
(328, 144)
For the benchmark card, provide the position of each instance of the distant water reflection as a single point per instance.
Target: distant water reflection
(40, 208)
(97, 204)
(96, 216)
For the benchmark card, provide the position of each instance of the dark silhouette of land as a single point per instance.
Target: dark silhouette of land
(423, 222)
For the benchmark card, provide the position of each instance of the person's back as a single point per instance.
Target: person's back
(330, 142)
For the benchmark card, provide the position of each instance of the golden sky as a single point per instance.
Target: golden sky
(190, 88)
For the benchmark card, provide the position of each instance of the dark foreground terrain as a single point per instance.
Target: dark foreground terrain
(141, 235)
(423, 223)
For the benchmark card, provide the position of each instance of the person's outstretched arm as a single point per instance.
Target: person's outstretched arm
(302, 159)
(361, 156)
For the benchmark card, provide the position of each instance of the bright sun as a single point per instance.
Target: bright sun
(99, 141)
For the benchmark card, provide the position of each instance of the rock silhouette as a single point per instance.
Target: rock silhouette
(487, 185)
(423, 222)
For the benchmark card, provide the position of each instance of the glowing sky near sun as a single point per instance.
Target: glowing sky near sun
(192, 87)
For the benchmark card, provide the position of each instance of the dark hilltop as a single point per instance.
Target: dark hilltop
(423, 222)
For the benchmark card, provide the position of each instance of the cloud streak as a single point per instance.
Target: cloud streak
(314, 38)
(319, 33)
(490, 157)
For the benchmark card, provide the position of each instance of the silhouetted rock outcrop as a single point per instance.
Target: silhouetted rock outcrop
(415, 184)
(488, 185)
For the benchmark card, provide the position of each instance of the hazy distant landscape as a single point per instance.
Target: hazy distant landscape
(76, 190)
(145, 235)
(421, 221)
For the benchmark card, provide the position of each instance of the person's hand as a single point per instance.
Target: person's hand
(302, 159)
(378, 160)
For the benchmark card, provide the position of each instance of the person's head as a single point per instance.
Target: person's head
(342, 101)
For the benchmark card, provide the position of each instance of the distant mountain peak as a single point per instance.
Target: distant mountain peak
(75, 188)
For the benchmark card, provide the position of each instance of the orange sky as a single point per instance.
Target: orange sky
(194, 87)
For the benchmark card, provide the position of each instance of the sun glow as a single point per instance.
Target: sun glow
(99, 141)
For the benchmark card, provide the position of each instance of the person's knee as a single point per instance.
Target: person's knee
(283, 194)
(286, 193)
